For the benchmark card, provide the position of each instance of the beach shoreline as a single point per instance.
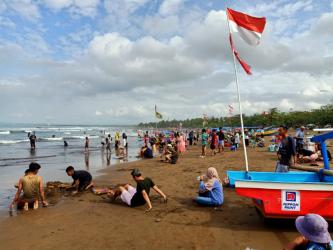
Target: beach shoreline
(180, 224)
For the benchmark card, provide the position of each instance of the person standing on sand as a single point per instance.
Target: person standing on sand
(191, 137)
(32, 186)
(237, 139)
(138, 196)
(204, 141)
(221, 138)
(182, 143)
(247, 139)
(213, 142)
(299, 137)
(287, 150)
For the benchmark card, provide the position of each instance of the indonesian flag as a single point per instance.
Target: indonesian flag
(249, 28)
(246, 67)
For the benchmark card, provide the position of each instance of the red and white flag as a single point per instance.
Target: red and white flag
(248, 27)
(246, 67)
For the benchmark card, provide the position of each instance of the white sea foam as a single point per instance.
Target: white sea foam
(50, 139)
(12, 141)
(4, 132)
(73, 137)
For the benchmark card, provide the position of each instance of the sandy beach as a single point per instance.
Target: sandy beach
(88, 221)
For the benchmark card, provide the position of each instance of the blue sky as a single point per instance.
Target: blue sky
(111, 61)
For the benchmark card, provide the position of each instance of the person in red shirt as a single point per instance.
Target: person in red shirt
(213, 142)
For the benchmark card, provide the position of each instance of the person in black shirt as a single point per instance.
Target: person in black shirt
(137, 196)
(221, 138)
(191, 137)
(82, 179)
(305, 155)
(287, 150)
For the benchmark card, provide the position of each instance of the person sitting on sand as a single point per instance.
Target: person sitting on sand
(210, 189)
(137, 196)
(306, 156)
(171, 154)
(82, 179)
(32, 186)
(146, 152)
(314, 234)
(320, 151)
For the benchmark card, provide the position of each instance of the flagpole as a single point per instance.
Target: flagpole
(239, 102)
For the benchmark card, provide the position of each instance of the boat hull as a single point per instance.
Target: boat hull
(289, 200)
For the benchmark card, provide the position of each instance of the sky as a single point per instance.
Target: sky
(112, 61)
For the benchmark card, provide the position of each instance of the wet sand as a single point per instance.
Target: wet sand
(88, 221)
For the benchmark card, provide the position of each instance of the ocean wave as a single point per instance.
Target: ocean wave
(12, 141)
(41, 139)
(4, 132)
(17, 131)
(79, 137)
(60, 129)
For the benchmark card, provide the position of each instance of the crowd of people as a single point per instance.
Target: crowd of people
(170, 146)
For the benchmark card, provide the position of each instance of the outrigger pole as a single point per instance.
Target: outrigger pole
(239, 101)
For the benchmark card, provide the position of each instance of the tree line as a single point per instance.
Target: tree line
(319, 117)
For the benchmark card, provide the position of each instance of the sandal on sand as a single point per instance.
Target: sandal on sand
(26, 206)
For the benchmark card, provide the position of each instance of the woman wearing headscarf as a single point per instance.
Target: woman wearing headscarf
(210, 189)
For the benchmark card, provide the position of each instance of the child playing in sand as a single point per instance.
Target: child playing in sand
(82, 179)
(314, 234)
(32, 186)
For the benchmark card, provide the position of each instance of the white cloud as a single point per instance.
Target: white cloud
(324, 24)
(186, 70)
(76, 7)
(123, 7)
(7, 23)
(58, 4)
(3, 6)
(157, 25)
(99, 113)
(28, 9)
(170, 7)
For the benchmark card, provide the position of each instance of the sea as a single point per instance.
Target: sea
(50, 153)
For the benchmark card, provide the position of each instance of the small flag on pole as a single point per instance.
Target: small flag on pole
(205, 120)
(249, 29)
(231, 109)
(157, 114)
